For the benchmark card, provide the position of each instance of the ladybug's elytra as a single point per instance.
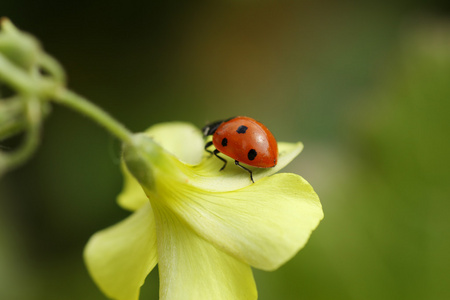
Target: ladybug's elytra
(245, 140)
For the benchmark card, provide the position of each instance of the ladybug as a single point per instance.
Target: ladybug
(245, 140)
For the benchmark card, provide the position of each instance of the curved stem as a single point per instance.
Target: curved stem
(82, 105)
(14, 76)
(37, 79)
(21, 81)
(11, 160)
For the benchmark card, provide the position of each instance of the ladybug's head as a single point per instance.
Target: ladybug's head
(211, 128)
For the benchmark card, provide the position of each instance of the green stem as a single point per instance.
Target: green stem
(82, 105)
(22, 65)
(15, 77)
(12, 160)
(21, 81)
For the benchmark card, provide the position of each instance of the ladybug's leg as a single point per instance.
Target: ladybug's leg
(215, 152)
(249, 171)
(221, 158)
(207, 145)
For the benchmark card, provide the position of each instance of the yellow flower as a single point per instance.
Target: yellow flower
(204, 228)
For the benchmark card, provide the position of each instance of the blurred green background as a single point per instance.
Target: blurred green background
(365, 86)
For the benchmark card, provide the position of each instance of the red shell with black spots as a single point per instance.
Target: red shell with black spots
(248, 141)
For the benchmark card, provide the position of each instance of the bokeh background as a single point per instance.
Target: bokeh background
(365, 85)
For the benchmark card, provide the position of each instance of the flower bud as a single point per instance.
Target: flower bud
(20, 48)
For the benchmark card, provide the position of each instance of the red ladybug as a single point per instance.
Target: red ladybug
(245, 140)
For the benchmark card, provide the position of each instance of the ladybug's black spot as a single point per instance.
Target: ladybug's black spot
(242, 129)
(252, 154)
(224, 142)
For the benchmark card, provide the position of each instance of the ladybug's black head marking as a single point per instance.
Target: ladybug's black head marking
(211, 128)
(242, 129)
(252, 154)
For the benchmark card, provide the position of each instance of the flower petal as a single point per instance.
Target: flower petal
(191, 268)
(264, 224)
(186, 145)
(120, 257)
(183, 140)
(207, 174)
(132, 196)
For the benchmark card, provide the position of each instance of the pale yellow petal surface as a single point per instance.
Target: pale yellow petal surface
(191, 268)
(263, 224)
(120, 257)
(183, 140)
(132, 196)
(207, 174)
